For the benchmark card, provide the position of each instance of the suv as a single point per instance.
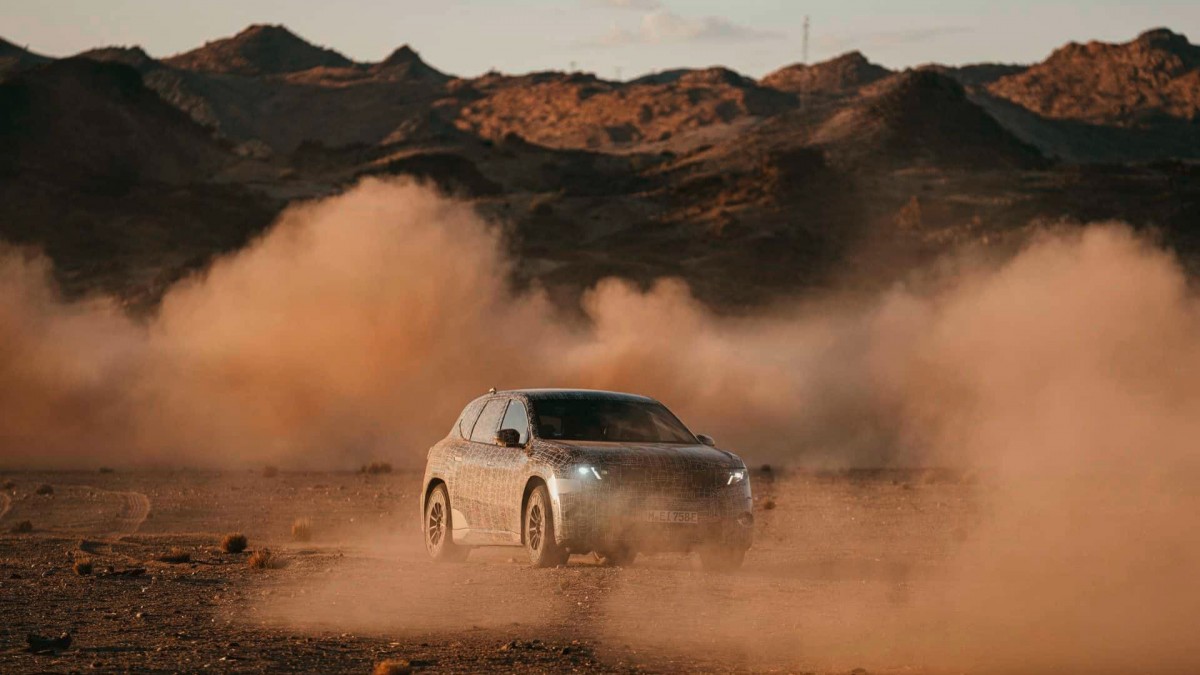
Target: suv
(563, 471)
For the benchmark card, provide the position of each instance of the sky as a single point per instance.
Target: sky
(613, 38)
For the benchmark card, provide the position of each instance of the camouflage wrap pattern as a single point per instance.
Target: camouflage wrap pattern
(601, 492)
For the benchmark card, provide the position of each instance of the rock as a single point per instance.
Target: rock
(393, 667)
(39, 644)
(127, 573)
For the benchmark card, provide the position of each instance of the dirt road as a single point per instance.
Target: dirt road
(837, 563)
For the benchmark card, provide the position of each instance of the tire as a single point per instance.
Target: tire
(617, 557)
(439, 541)
(543, 550)
(722, 558)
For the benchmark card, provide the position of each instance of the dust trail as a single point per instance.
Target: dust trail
(1067, 378)
(1070, 377)
(360, 325)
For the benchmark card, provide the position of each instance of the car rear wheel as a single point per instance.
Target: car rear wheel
(438, 540)
(540, 542)
(721, 558)
(620, 556)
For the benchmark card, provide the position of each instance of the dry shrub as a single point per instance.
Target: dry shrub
(377, 467)
(107, 469)
(23, 527)
(263, 559)
(234, 543)
(10, 485)
(270, 471)
(44, 489)
(302, 529)
(392, 667)
(83, 567)
(768, 505)
(175, 556)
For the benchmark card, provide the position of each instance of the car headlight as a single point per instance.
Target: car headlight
(589, 471)
(736, 476)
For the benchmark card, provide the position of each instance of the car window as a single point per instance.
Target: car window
(466, 421)
(582, 419)
(515, 418)
(489, 422)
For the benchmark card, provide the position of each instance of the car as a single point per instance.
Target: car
(574, 471)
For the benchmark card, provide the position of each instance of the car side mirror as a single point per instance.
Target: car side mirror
(508, 438)
(706, 440)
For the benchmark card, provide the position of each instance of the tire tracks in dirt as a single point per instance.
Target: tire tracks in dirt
(135, 508)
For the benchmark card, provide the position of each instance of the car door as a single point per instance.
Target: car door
(470, 475)
(508, 469)
(450, 456)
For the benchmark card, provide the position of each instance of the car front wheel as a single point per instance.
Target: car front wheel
(438, 540)
(540, 542)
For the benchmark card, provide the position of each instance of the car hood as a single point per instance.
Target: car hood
(647, 454)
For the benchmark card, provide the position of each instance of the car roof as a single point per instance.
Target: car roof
(590, 394)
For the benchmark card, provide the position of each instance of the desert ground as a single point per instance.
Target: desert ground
(837, 560)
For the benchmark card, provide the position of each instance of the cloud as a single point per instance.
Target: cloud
(889, 38)
(662, 26)
(644, 5)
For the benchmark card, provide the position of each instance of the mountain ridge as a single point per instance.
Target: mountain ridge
(1154, 77)
(132, 171)
(260, 49)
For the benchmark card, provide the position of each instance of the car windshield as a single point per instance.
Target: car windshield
(584, 419)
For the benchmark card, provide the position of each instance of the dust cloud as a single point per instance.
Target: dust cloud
(360, 325)
(1069, 378)
(1066, 381)
(1066, 377)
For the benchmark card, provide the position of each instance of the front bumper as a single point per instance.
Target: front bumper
(597, 516)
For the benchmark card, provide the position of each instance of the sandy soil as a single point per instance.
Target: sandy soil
(837, 560)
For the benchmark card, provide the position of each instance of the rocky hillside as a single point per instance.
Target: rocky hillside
(405, 64)
(77, 120)
(271, 92)
(14, 58)
(114, 183)
(844, 74)
(259, 50)
(1151, 79)
(332, 105)
(926, 119)
(131, 171)
(581, 111)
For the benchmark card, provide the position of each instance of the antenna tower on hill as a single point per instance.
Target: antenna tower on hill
(805, 49)
(804, 57)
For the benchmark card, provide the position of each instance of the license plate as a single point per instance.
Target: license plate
(688, 517)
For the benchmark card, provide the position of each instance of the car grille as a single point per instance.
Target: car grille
(663, 483)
